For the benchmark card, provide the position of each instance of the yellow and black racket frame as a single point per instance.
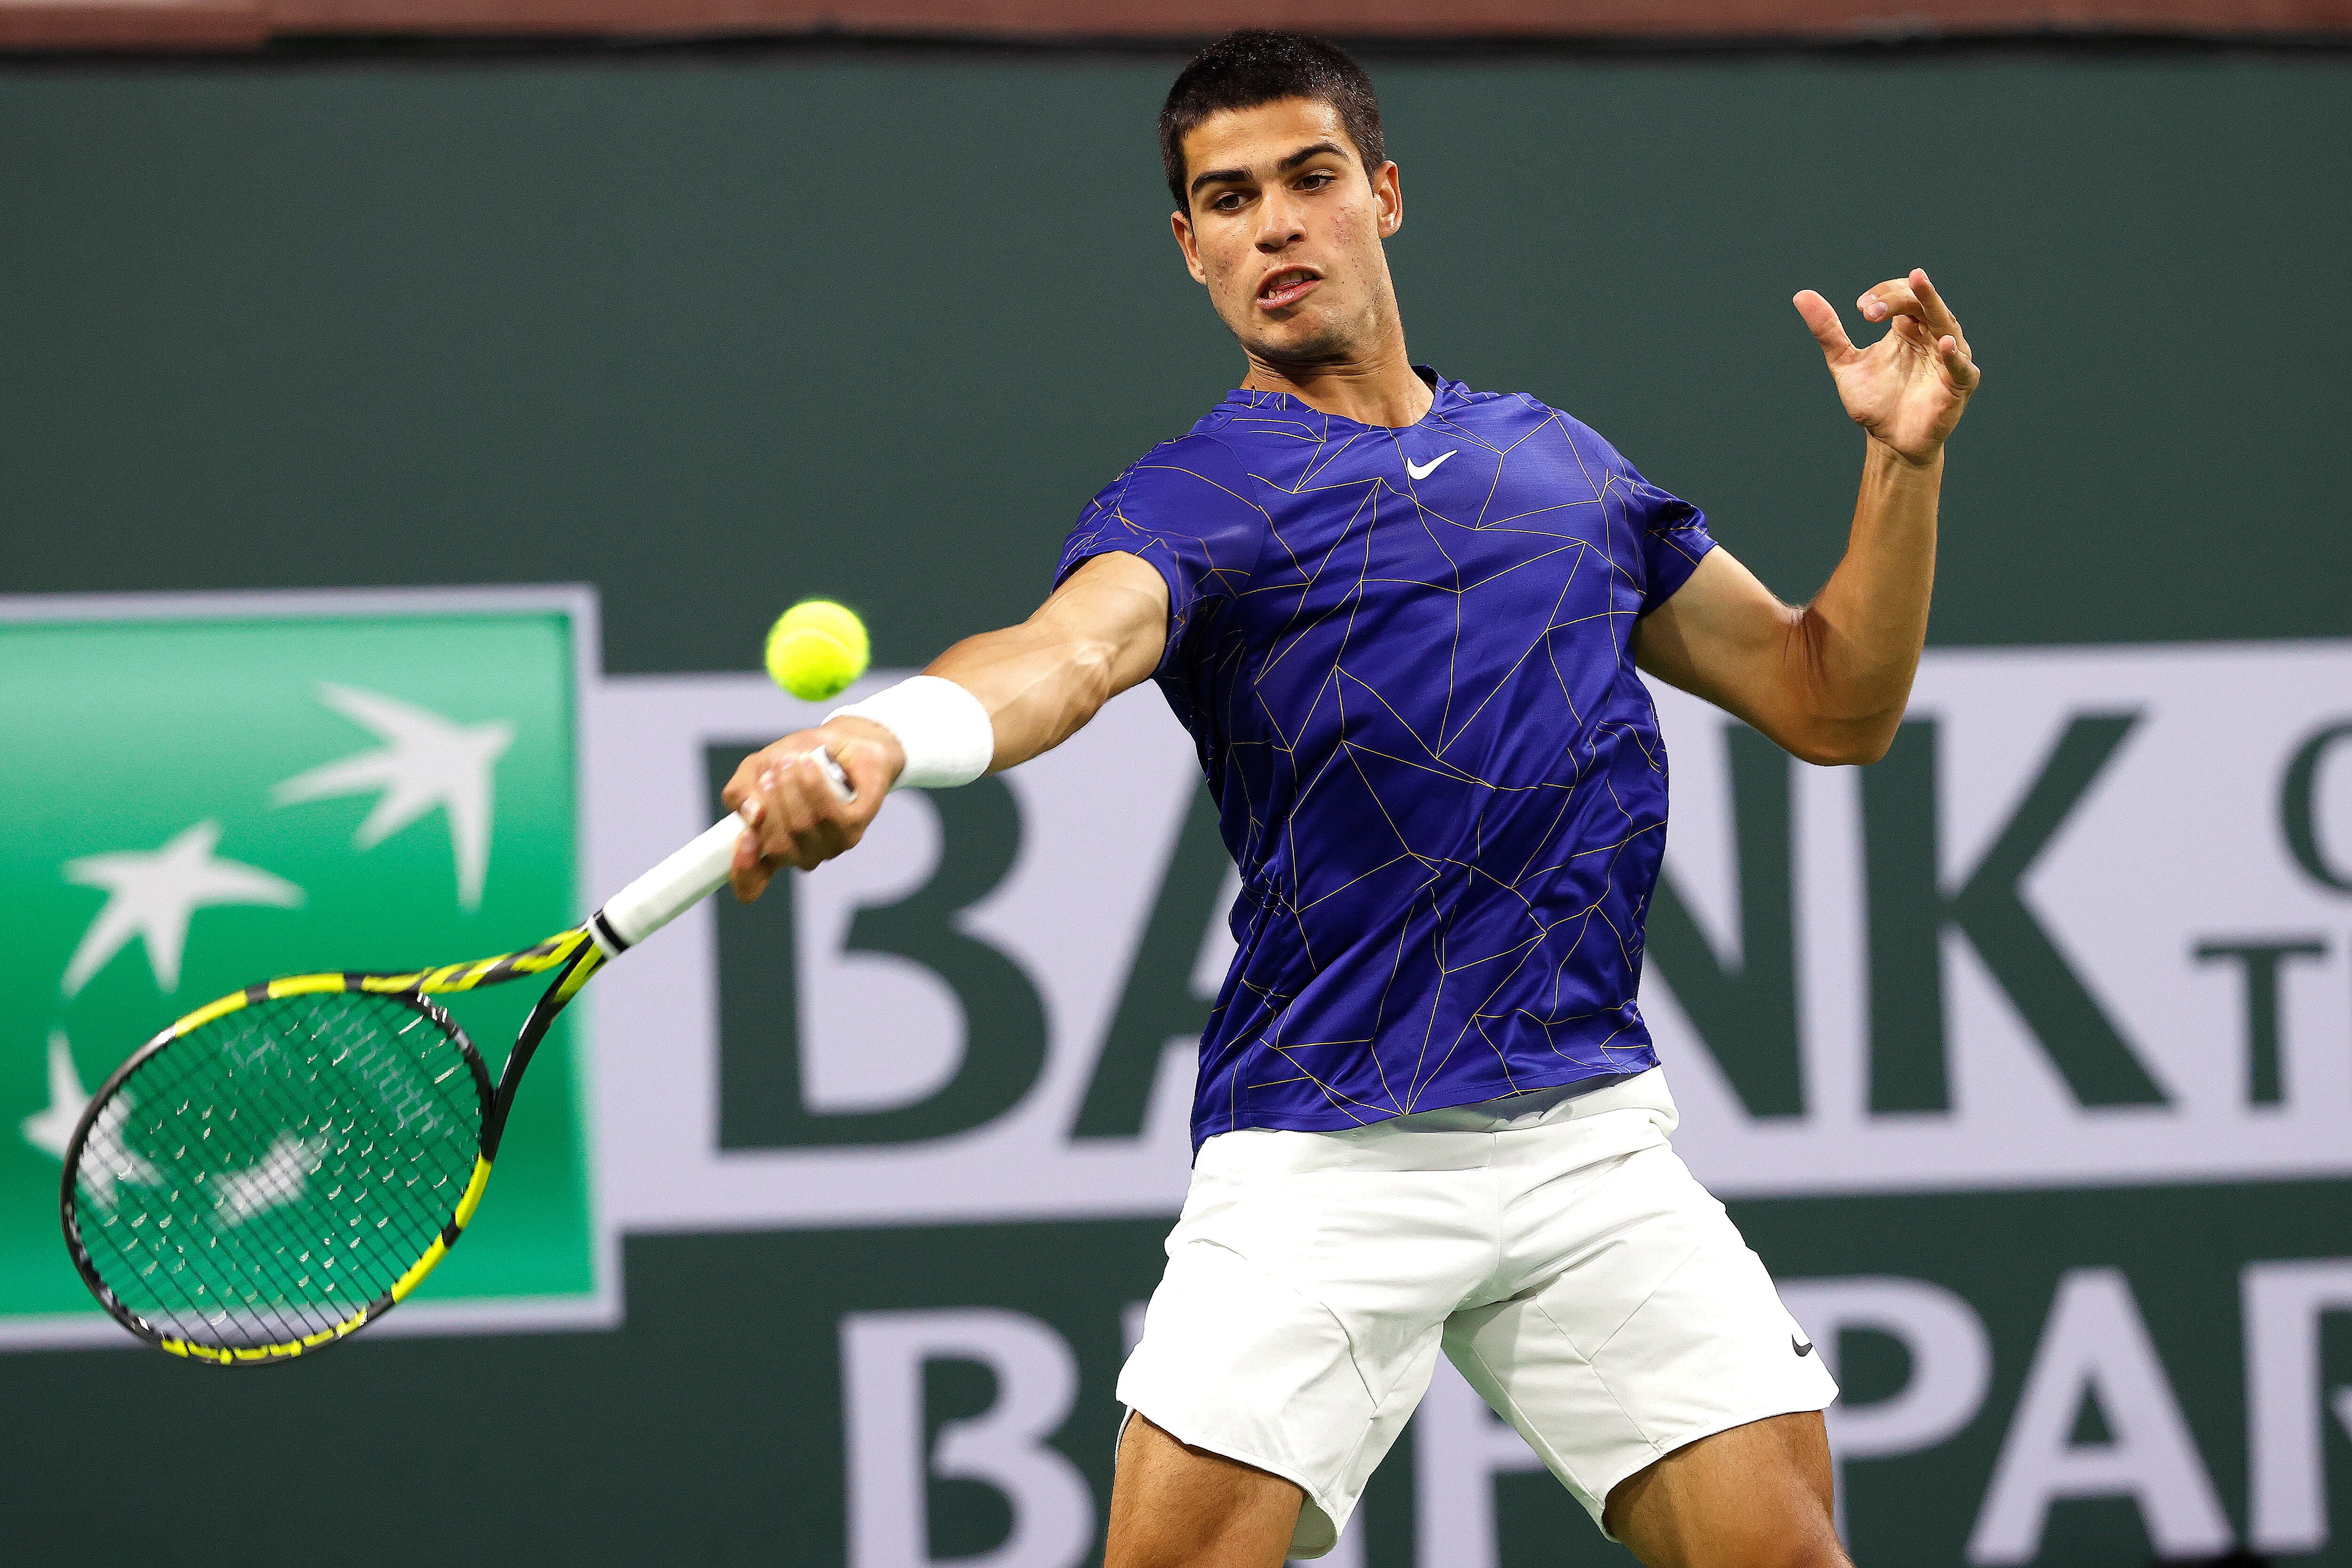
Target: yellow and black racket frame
(682, 880)
(570, 956)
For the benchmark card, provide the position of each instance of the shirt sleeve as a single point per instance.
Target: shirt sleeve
(1185, 509)
(1672, 534)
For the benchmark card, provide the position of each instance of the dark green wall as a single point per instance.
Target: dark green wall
(714, 332)
(711, 333)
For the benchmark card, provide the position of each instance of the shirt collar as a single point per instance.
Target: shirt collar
(1448, 393)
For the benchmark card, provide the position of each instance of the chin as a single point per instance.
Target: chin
(1299, 342)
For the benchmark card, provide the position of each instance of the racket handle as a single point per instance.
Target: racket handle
(687, 877)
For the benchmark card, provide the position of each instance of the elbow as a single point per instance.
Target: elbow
(1844, 755)
(1842, 746)
(1871, 751)
(1830, 722)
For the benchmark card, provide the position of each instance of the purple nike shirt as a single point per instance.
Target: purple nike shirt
(1405, 658)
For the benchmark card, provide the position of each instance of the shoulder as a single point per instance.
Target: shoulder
(1609, 470)
(1587, 442)
(1188, 508)
(1514, 416)
(1199, 469)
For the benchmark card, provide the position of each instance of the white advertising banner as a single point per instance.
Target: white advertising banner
(2085, 926)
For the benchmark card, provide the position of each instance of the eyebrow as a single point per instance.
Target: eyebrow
(1224, 176)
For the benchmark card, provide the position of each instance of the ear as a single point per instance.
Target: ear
(1388, 196)
(1183, 225)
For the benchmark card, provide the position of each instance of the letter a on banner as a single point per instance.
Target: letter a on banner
(2095, 1346)
(1159, 1006)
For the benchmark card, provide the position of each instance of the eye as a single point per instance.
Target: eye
(1318, 180)
(1231, 201)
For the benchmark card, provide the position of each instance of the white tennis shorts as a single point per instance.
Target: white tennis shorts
(1583, 1282)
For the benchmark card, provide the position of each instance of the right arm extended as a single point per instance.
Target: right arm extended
(1102, 631)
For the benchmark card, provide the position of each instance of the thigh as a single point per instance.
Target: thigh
(1661, 1330)
(1172, 1507)
(1239, 1361)
(1757, 1494)
(1298, 1321)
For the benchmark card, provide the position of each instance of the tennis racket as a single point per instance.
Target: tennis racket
(281, 1168)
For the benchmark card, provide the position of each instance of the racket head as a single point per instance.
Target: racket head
(278, 1169)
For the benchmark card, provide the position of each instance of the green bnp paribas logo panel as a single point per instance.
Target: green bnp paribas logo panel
(196, 802)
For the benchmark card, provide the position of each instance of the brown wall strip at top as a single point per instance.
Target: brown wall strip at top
(244, 24)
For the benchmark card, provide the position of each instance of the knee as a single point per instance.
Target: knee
(1823, 1552)
(1757, 1537)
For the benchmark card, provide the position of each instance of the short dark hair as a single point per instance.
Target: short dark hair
(1258, 64)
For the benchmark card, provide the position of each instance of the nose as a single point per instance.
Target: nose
(1280, 223)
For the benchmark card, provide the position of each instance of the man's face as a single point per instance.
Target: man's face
(1284, 227)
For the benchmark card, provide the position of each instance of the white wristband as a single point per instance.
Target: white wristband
(947, 734)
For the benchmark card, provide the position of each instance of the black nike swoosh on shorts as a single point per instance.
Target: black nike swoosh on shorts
(1800, 1347)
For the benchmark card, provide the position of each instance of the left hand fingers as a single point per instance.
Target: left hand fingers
(1957, 364)
(1938, 317)
(1914, 299)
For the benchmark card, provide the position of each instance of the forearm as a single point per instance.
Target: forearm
(1005, 696)
(1857, 645)
(1039, 686)
(1041, 681)
(1829, 682)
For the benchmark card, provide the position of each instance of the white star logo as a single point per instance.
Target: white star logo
(105, 1160)
(426, 761)
(282, 1176)
(153, 896)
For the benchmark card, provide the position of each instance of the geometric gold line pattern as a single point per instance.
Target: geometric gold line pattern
(1405, 659)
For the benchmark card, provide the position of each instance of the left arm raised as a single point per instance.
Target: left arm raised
(1829, 682)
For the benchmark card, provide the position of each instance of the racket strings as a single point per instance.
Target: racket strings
(199, 1277)
(251, 1182)
(271, 1173)
(379, 1078)
(274, 1170)
(209, 1277)
(362, 1138)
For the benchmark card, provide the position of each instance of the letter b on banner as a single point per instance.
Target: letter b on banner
(763, 1099)
(1005, 1447)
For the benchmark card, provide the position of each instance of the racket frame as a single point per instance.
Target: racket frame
(652, 901)
(573, 955)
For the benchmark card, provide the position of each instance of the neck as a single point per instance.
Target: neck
(1378, 388)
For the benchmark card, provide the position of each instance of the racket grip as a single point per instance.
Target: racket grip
(686, 878)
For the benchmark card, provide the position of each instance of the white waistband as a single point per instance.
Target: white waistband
(1456, 1138)
(1539, 1107)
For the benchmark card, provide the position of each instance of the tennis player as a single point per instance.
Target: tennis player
(1402, 620)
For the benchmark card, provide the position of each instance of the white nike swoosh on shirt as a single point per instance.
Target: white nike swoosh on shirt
(1424, 470)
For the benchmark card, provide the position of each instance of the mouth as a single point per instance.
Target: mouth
(1286, 288)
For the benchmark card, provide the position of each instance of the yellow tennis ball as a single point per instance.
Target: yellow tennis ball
(816, 649)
